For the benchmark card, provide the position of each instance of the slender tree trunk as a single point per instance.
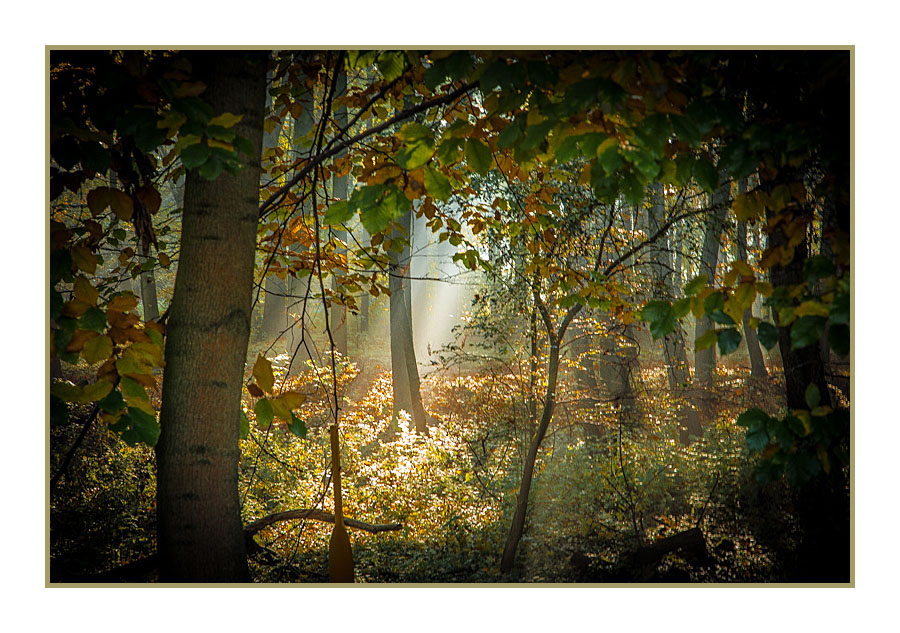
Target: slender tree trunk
(757, 364)
(705, 360)
(200, 533)
(147, 279)
(517, 528)
(403, 355)
(274, 321)
(665, 274)
(338, 318)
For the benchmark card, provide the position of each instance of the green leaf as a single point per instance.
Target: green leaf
(437, 184)
(718, 316)
(707, 340)
(93, 319)
(655, 311)
(840, 309)
(753, 419)
(817, 267)
(478, 156)
(706, 175)
(813, 396)
(695, 285)
(681, 308)
(338, 213)
(801, 467)
(297, 426)
(264, 413)
(137, 426)
(767, 334)
(729, 340)
(757, 440)
(211, 169)
(244, 425)
(113, 402)
(715, 301)
(195, 155)
(806, 330)
(839, 339)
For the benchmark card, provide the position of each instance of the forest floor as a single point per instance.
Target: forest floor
(607, 487)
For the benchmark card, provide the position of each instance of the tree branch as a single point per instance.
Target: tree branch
(316, 160)
(316, 515)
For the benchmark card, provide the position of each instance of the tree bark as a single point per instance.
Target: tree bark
(404, 370)
(705, 360)
(274, 321)
(339, 191)
(198, 510)
(757, 364)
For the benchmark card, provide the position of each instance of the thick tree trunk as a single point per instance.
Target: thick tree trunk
(198, 511)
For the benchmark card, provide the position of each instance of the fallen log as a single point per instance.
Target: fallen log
(690, 545)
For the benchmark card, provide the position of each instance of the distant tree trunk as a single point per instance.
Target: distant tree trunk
(200, 535)
(147, 279)
(757, 364)
(274, 321)
(705, 360)
(404, 370)
(338, 320)
(664, 273)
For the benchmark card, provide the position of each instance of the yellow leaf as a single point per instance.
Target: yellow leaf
(84, 259)
(75, 308)
(280, 409)
(79, 338)
(764, 288)
(122, 303)
(95, 391)
(811, 308)
(226, 119)
(744, 295)
(730, 277)
(122, 205)
(86, 292)
(228, 147)
(743, 268)
(262, 371)
(292, 399)
(164, 260)
(97, 349)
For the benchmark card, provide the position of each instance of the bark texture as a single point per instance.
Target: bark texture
(198, 512)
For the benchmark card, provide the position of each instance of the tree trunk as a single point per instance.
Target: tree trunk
(757, 364)
(338, 320)
(665, 273)
(198, 510)
(404, 370)
(147, 286)
(274, 321)
(517, 528)
(705, 360)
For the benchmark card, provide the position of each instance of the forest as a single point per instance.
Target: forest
(449, 316)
